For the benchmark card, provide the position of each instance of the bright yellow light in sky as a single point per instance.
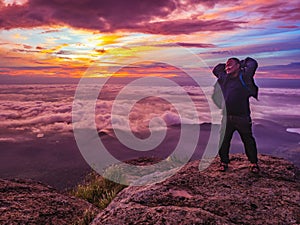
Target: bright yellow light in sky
(213, 30)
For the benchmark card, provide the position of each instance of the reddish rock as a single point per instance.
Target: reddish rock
(211, 197)
(30, 202)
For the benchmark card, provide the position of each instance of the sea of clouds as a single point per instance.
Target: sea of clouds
(46, 109)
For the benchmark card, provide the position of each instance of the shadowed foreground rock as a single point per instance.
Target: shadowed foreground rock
(212, 197)
(29, 202)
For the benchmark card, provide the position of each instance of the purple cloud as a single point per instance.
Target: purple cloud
(259, 48)
(196, 45)
(281, 11)
(188, 26)
(289, 27)
(108, 16)
(289, 69)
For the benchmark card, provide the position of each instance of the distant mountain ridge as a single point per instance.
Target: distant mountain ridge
(183, 81)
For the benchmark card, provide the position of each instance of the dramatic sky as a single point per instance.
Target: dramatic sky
(61, 38)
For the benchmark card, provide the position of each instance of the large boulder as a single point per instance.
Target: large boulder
(212, 197)
(30, 202)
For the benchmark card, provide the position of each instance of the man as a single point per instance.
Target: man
(237, 85)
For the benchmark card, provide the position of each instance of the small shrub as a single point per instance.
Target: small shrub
(87, 218)
(97, 190)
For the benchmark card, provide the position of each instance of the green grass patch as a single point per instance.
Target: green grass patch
(87, 218)
(98, 190)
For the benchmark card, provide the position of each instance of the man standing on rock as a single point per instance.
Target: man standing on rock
(237, 86)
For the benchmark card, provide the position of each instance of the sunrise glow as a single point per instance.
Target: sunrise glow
(43, 41)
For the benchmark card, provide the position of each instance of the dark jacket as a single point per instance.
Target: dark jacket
(248, 68)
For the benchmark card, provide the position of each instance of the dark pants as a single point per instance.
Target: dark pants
(243, 125)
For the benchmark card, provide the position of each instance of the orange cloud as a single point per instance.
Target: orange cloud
(54, 49)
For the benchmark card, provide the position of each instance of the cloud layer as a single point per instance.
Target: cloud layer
(42, 110)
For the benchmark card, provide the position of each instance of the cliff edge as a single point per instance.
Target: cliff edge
(213, 197)
(188, 197)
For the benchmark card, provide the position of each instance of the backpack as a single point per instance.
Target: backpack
(217, 95)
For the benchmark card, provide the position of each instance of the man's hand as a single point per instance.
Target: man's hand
(219, 70)
(250, 66)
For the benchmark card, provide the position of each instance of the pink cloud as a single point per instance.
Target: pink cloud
(258, 48)
(289, 27)
(196, 45)
(208, 3)
(281, 11)
(281, 71)
(109, 16)
(188, 26)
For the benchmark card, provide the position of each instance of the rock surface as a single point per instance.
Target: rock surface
(211, 197)
(30, 202)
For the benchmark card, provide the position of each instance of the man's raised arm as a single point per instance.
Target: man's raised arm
(219, 70)
(249, 65)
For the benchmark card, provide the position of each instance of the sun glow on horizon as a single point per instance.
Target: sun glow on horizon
(213, 31)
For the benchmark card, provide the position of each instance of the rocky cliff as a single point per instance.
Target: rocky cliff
(212, 197)
(30, 202)
(188, 197)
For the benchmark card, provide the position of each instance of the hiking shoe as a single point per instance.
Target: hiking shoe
(254, 168)
(223, 167)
